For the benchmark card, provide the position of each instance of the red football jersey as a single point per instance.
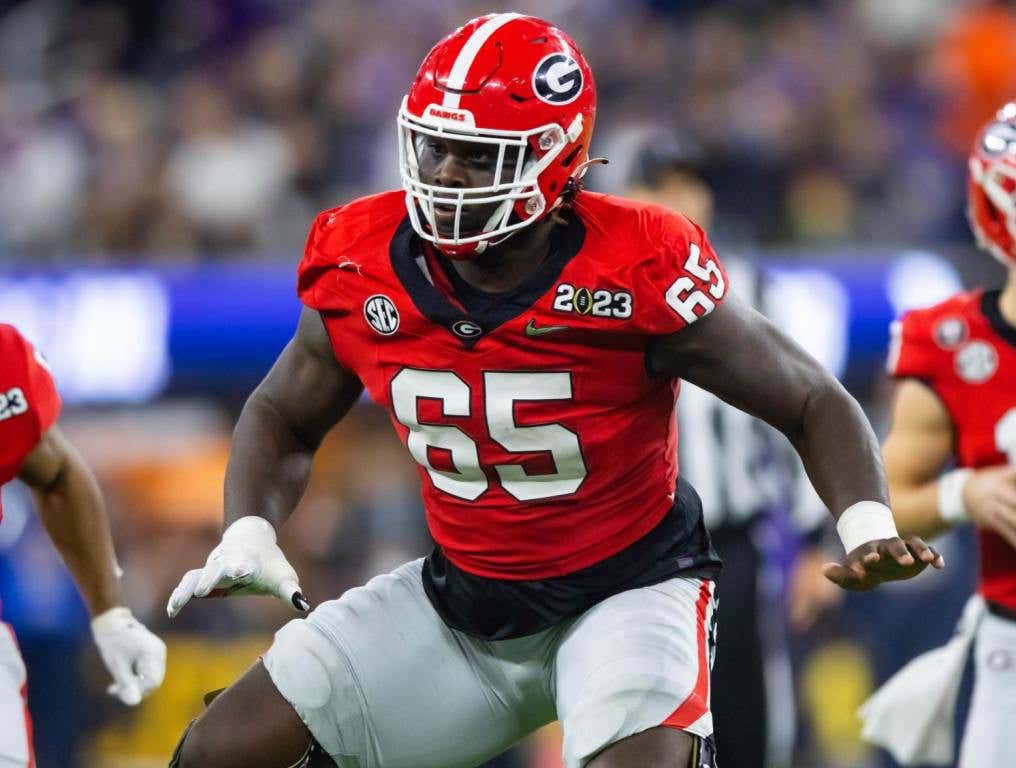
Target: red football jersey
(29, 404)
(544, 443)
(966, 352)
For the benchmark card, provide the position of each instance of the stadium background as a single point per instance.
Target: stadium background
(160, 163)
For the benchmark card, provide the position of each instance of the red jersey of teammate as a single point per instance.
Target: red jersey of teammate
(29, 404)
(966, 352)
(544, 443)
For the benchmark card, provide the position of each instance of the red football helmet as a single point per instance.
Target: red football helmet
(512, 81)
(991, 186)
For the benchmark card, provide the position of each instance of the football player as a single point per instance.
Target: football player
(70, 506)
(527, 338)
(956, 402)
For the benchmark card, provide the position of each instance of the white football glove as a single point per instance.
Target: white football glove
(135, 658)
(246, 562)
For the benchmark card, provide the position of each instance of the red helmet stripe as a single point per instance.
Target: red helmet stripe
(460, 69)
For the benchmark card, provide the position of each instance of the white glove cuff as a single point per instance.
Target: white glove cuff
(112, 619)
(863, 522)
(252, 528)
(951, 508)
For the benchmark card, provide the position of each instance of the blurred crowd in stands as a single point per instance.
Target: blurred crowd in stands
(170, 130)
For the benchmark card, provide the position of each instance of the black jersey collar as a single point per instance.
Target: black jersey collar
(990, 309)
(486, 312)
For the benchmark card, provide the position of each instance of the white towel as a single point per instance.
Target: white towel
(912, 715)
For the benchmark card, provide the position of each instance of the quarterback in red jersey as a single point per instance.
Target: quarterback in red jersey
(957, 402)
(527, 339)
(70, 506)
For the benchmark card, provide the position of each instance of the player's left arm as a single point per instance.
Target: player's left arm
(70, 508)
(72, 511)
(739, 356)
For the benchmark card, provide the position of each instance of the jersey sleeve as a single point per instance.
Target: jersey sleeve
(682, 281)
(317, 282)
(29, 403)
(912, 349)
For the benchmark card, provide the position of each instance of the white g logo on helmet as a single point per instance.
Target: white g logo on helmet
(557, 79)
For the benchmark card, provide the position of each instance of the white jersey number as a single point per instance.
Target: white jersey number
(409, 385)
(683, 302)
(12, 403)
(501, 392)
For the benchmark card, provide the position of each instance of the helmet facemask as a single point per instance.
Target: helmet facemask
(530, 152)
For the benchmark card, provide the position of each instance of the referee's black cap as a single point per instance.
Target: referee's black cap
(664, 152)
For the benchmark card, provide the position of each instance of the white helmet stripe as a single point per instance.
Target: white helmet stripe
(457, 77)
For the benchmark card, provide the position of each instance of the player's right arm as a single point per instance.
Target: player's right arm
(283, 422)
(71, 509)
(919, 443)
(280, 428)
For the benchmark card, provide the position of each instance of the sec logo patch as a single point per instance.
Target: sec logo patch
(381, 314)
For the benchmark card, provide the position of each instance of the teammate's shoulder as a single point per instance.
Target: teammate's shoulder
(963, 304)
(10, 335)
(12, 343)
(18, 355)
(29, 403)
(923, 339)
(349, 225)
(934, 324)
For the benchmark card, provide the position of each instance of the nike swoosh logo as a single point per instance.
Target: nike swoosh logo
(532, 330)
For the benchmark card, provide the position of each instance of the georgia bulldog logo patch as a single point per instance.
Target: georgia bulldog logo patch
(951, 332)
(467, 329)
(557, 79)
(976, 362)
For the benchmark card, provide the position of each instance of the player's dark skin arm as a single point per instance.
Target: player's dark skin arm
(283, 422)
(71, 509)
(739, 356)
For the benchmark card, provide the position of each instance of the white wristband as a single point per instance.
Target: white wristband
(863, 522)
(951, 508)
